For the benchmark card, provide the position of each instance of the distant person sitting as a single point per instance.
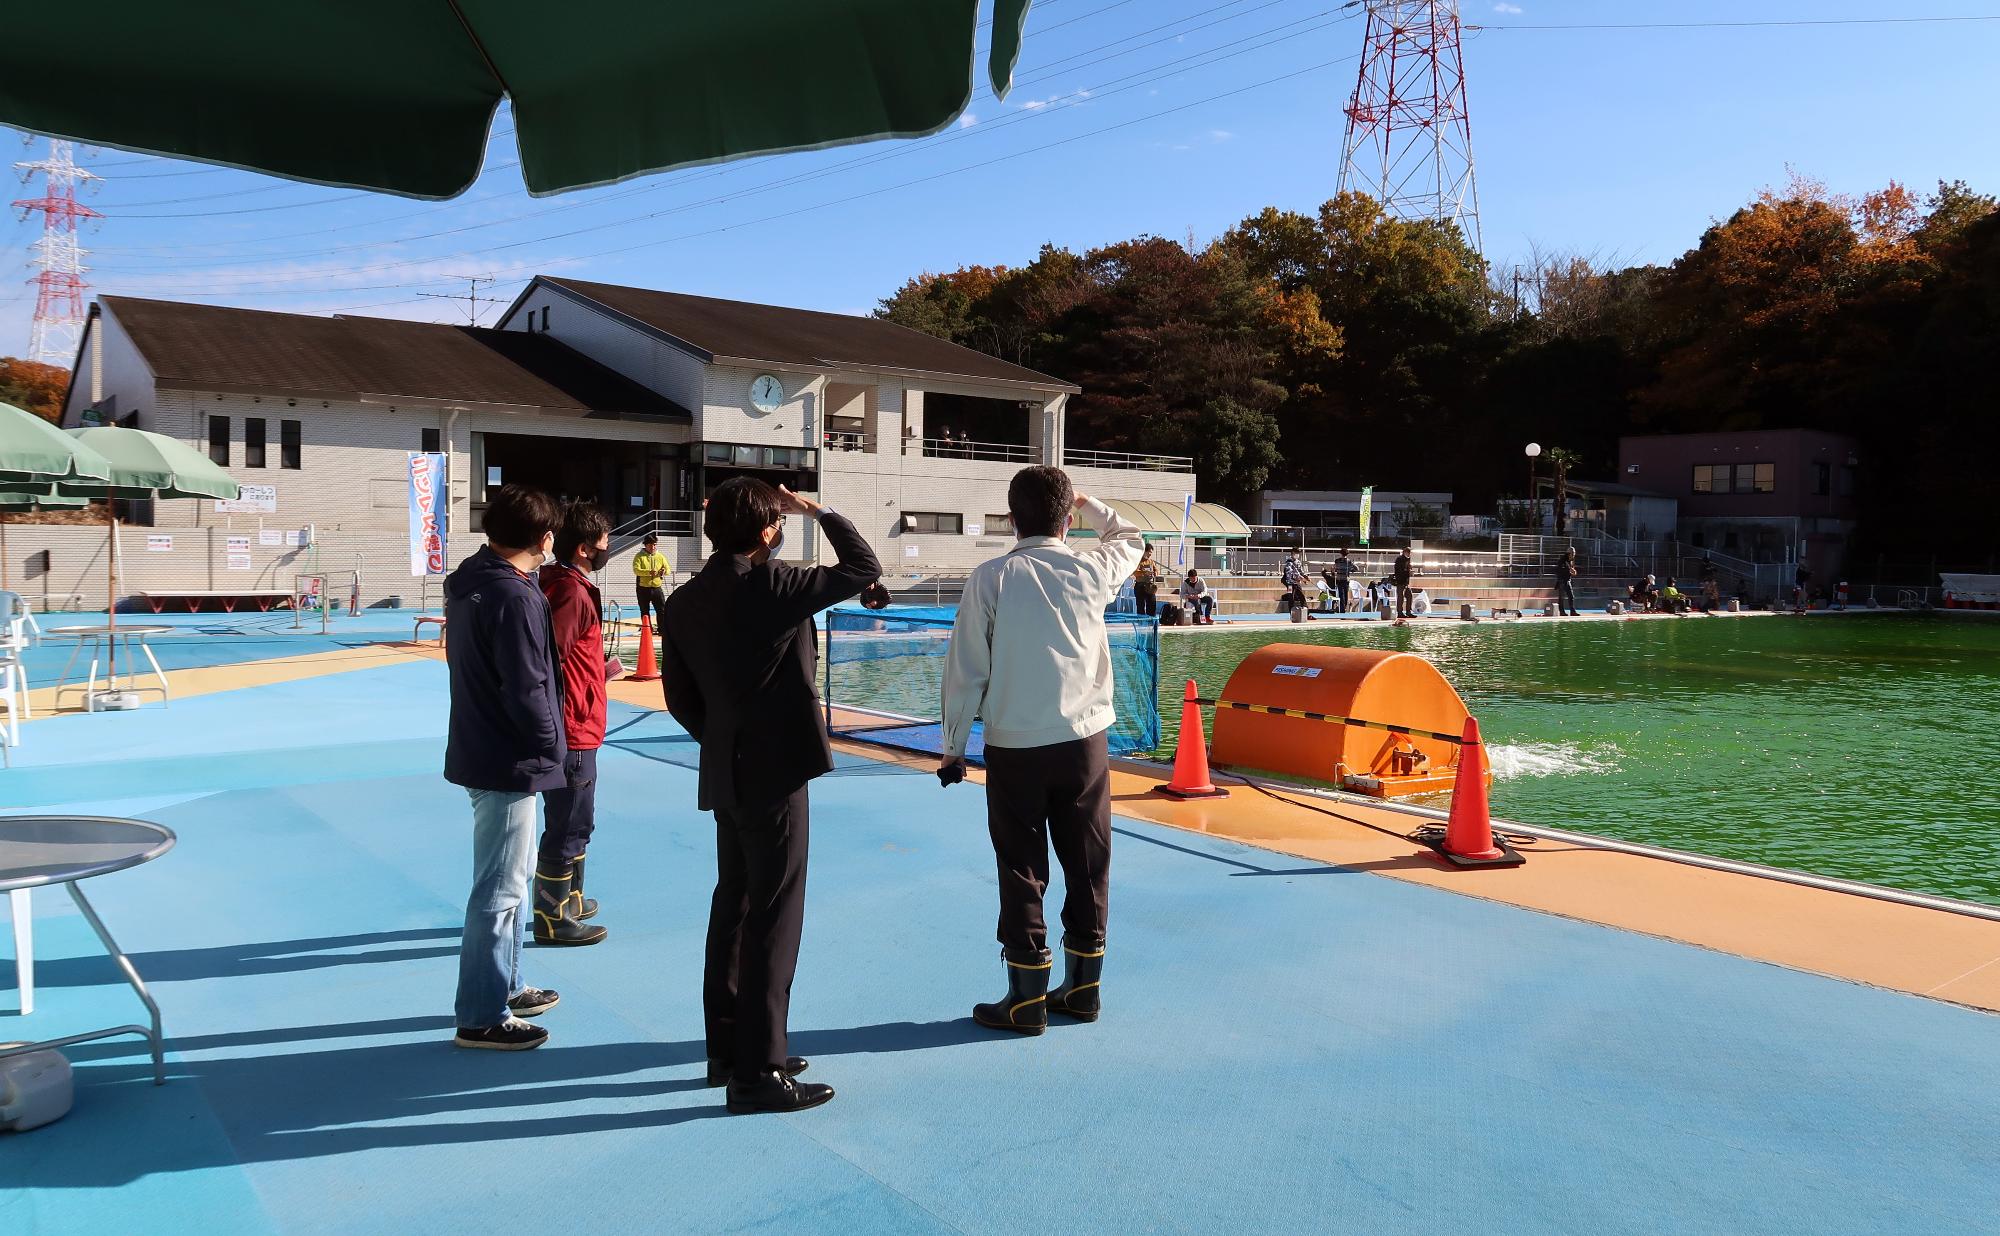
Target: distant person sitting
(1644, 595)
(1295, 580)
(1672, 599)
(1198, 599)
(1330, 589)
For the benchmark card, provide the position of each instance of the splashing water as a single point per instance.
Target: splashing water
(1548, 759)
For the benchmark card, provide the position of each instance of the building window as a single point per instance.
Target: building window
(545, 319)
(1761, 478)
(218, 440)
(430, 446)
(253, 442)
(288, 445)
(999, 525)
(1822, 479)
(932, 521)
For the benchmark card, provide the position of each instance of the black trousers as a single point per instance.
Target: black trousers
(754, 922)
(1565, 596)
(1340, 590)
(1403, 601)
(654, 599)
(569, 814)
(1147, 599)
(1037, 795)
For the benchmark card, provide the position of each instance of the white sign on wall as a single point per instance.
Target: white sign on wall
(159, 545)
(249, 500)
(909, 551)
(238, 544)
(975, 529)
(239, 562)
(270, 536)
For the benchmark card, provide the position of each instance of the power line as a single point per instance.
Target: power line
(1110, 89)
(664, 182)
(523, 267)
(1739, 25)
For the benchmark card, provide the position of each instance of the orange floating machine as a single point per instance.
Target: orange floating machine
(1380, 723)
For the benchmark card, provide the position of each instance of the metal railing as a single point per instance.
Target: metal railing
(962, 448)
(848, 440)
(1128, 461)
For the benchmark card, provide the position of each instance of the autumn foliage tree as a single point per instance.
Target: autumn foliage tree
(33, 386)
(1343, 347)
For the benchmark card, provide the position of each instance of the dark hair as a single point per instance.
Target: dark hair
(583, 523)
(738, 512)
(1039, 499)
(519, 516)
(651, 538)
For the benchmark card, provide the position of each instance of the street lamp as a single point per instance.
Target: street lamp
(1534, 450)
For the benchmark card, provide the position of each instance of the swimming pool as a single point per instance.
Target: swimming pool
(1863, 746)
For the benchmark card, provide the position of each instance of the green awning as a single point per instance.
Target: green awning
(399, 95)
(1160, 521)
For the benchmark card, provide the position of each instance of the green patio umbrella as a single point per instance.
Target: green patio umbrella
(400, 95)
(142, 466)
(34, 452)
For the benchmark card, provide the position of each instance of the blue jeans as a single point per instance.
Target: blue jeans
(489, 953)
(1204, 605)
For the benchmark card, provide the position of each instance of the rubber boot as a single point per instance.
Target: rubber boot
(555, 911)
(1083, 968)
(1025, 1010)
(589, 904)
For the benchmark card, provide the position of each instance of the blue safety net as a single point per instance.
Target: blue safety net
(884, 678)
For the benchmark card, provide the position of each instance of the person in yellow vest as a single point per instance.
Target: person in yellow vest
(650, 569)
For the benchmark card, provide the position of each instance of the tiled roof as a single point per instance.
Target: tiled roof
(211, 346)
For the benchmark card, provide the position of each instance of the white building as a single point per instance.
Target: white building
(641, 400)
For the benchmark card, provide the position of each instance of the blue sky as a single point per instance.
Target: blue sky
(1163, 116)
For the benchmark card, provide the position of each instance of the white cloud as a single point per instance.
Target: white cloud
(967, 120)
(1057, 100)
(1506, 8)
(1219, 135)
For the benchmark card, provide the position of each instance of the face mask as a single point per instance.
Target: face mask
(598, 557)
(778, 542)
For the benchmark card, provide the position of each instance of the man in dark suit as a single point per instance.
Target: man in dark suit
(740, 651)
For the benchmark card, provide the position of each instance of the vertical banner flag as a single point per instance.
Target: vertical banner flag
(428, 511)
(1187, 513)
(1367, 512)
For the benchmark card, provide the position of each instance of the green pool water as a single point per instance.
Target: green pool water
(1863, 746)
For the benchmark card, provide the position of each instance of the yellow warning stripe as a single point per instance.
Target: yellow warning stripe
(1357, 722)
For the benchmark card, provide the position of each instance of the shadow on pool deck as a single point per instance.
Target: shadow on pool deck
(1280, 1053)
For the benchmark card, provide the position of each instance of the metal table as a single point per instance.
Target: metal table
(100, 638)
(36, 850)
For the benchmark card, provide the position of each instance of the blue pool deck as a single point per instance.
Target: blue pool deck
(1287, 1047)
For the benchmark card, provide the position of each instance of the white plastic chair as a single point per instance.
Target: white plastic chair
(13, 701)
(18, 632)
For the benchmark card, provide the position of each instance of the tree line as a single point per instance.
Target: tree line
(1345, 348)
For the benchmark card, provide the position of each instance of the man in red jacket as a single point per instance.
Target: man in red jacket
(576, 612)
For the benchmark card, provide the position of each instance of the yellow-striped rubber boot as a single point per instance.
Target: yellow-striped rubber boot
(1083, 971)
(1025, 1010)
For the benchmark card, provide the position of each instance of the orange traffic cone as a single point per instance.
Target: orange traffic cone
(1191, 755)
(648, 669)
(1468, 839)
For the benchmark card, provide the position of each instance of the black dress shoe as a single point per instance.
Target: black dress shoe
(774, 1092)
(719, 1070)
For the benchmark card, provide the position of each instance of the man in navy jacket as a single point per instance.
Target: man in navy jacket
(505, 744)
(740, 649)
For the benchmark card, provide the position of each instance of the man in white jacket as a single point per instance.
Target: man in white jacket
(1029, 656)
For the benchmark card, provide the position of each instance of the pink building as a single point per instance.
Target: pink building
(1765, 495)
